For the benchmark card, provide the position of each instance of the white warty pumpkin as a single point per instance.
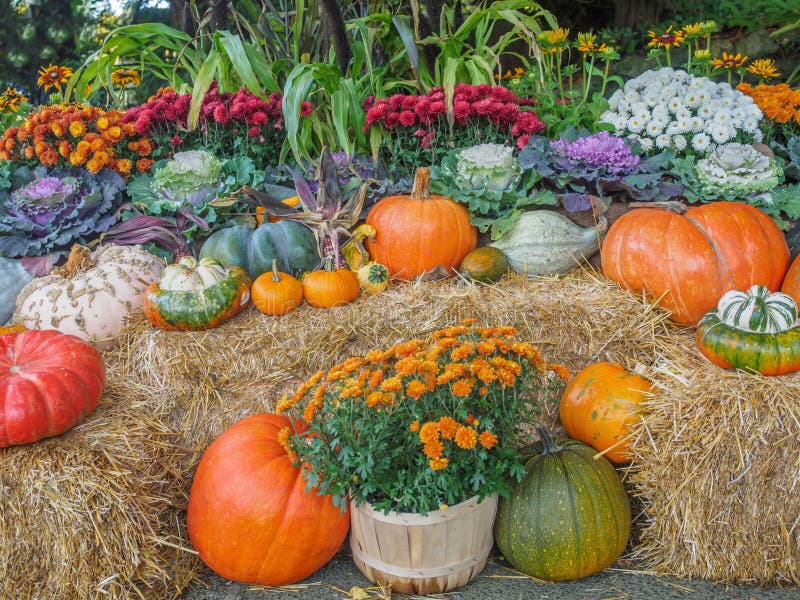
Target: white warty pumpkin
(92, 295)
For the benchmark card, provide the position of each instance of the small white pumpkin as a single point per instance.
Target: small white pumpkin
(758, 310)
(92, 295)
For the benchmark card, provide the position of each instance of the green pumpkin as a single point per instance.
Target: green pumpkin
(192, 295)
(484, 265)
(568, 518)
(293, 244)
(754, 330)
(13, 277)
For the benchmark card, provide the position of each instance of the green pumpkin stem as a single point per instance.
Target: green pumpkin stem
(548, 445)
(276, 276)
(420, 189)
(327, 264)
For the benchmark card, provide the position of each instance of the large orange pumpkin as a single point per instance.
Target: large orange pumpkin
(598, 406)
(250, 517)
(791, 283)
(689, 261)
(420, 232)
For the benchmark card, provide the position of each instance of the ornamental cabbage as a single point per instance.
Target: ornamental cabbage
(189, 178)
(738, 169)
(490, 166)
(50, 210)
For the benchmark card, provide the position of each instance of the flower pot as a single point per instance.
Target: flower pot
(423, 555)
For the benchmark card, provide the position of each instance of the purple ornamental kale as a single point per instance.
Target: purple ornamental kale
(600, 150)
(54, 209)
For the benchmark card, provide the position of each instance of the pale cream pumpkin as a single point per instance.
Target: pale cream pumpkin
(92, 295)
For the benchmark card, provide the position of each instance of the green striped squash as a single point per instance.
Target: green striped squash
(754, 331)
(568, 518)
(757, 309)
(192, 295)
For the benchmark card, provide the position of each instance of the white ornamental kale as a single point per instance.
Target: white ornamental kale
(189, 178)
(487, 166)
(671, 109)
(738, 169)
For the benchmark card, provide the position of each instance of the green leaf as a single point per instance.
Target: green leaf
(202, 83)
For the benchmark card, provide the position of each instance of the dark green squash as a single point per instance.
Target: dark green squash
(484, 265)
(568, 518)
(293, 244)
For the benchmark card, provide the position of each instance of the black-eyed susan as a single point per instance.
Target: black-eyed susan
(763, 68)
(126, 78)
(53, 76)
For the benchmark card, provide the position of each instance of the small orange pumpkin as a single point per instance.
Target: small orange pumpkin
(276, 293)
(330, 287)
(791, 282)
(420, 232)
(599, 404)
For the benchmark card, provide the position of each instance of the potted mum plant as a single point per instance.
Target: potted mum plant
(423, 435)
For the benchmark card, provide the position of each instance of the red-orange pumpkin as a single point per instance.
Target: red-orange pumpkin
(250, 517)
(420, 232)
(598, 406)
(689, 261)
(791, 283)
(49, 381)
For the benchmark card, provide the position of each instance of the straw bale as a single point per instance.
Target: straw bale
(100, 511)
(717, 465)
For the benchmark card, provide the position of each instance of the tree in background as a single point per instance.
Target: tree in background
(35, 33)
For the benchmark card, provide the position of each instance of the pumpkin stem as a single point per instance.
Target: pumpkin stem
(80, 259)
(327, 264)
(548, 445)
(420, 189)
(275, 273)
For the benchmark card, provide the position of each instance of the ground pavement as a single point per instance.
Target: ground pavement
(337, 580)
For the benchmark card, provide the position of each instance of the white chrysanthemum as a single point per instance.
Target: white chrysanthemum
(635, 124)
(663, 141)
(616, 98)
(654, 128)
(675, 105)
(701, 142)
(721, 133)
(696, 124)
(651, 99)
(632, 97)
(660, 112)
(705, 111)
(750, 125)
(691, 99)
(758, 135)
(647, 144)
(667, 91)
(679, 143)
(638, 107)
(684, 114)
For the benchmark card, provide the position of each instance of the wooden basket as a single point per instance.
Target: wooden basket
(423, 555)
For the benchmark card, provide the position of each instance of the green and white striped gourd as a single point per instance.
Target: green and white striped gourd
(758, 310)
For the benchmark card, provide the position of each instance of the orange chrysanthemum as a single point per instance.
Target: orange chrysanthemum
(778, 102)
(463, 387)
(414, 427)
(466, 438)
(415, 389)
(560, 370)
(437, 464)
(53, 76)
(487, 439)
(429, 432)
(448, 427)
(392, 384)
(143, 165)
(433, 449)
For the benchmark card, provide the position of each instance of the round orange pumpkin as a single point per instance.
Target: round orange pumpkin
(420, 232)
(329, 287)
(250, 517)
(689, 261)
(598, 406)
(276, 293)
(791, 283)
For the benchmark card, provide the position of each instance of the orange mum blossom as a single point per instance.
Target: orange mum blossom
(401, 427)
(780, 103)
(45, 129)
